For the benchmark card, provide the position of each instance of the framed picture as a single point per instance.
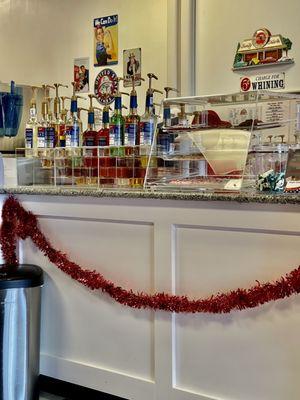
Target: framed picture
(82, 75)
(132, 66)
(106, 41)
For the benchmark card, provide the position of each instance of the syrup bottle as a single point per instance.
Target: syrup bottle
(89, 136)
(62, 123)
(31, 129)
(102, 138)
(57, 112)
(46, 128)
(74, 126)
(79, 110)
(117, 122)
(148, 119)
(165, 139)
(132, 121)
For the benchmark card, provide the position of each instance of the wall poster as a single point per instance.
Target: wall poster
(132, 66)
(81, 75)
(106, 40)
(106, 84)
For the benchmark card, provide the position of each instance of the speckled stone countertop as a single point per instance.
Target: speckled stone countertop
(240, 197)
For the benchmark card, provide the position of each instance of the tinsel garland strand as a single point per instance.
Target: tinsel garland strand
(19, 223)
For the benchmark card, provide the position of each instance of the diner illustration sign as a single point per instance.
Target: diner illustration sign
(262, 82)
(262, 49)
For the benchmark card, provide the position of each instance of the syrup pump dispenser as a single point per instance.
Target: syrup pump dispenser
(132, 121)
(46, 127)
(64, 111)
(57, 109)
(74, 125)
(61, 131)
(79, 110)
(149, 119)
(102, 138)
(31, 129)
(167, 108)
(89, 136)
(116, 134)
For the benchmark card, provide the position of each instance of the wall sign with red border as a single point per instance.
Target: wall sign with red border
(263, 82)
(106, 84)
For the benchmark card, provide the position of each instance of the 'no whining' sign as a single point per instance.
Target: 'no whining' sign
(263, 82)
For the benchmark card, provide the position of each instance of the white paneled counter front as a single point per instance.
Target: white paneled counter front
(180, 246)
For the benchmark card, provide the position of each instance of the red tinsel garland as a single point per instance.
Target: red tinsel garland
(19, 223)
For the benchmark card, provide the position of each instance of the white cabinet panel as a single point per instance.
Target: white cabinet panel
(248, 354)
(88, 327)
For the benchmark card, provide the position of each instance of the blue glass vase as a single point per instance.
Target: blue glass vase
(12, 106)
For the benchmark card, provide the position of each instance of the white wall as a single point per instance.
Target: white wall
(40, 38)
(221, 24)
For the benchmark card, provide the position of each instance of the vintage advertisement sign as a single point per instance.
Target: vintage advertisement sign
(263, 49)
(263, 82)
(132, 66)
(106, 41)
(81, 74)
(106, 84)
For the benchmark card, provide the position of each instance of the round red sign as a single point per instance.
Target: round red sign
(245, 84)
(261, 37)
(106, 84)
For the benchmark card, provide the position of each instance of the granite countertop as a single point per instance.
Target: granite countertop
(240, 197)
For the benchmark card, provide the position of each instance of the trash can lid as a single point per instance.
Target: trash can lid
(21, 276)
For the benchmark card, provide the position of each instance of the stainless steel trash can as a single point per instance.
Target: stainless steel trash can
(20, 309)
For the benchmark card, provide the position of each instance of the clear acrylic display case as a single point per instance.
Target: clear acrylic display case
(216, 143)
(94, 167)
(221, 142)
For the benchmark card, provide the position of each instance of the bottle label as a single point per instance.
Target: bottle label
(102, 141)
(32, 112)
(41, 139)
(29, 138)
(89, 141)
(131, 132)
(147, 132)
(164, 141)
(62, 135)
(72, 136)
(115, 135)
(50, 137)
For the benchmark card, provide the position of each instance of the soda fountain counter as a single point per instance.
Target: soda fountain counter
(183, 243)
(201, 209)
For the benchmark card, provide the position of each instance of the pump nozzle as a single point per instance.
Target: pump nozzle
(119, 79)
(64, 112)
(126, 108)
(91, 97)
(63, 98)
(168, 89)
(79, 109)
(33, 99)
(157, 91)
(46, 90)
(74, 91)
(57, 99)
(133, 79)
(151, 76)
